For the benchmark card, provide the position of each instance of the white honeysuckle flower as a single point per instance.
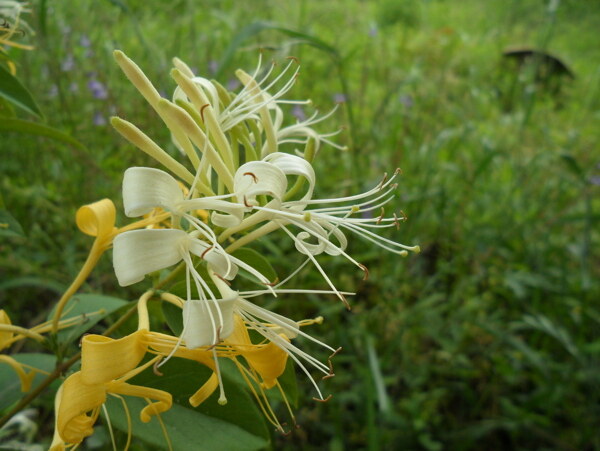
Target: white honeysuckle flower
(140, 252)
(147, 188)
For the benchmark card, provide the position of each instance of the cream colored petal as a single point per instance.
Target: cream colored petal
(139, 252)
(147, 188)
(201, 317)
(259, 177)
(294, 165)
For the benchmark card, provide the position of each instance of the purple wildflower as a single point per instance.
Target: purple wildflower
(68, 64)
(298, 113)
(84, 41)
(339, 98)
(213, 66)
(99, 120)
(233, 84)
(97, 89)
(406, 100)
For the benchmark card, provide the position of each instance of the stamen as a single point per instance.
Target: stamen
(246, 203)
(222, 399)
(323, 400)
(366, 271)
(206, 252)
(293, 58)
(272, 284)
(156, 366)
(382, 183)
(380, 217)
(202, 111)
(254, 177)
(396, 222)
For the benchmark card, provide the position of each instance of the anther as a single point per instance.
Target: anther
(202, 111)
(272, 284)
(223, 279)
(365, 269)
(398, 171)
(323, 400)
(380, 217)
(293, 58)
(336, 352)
(206, 252)
(246, 203)
(155, 367)
(396, 222)
(254, 177)
(345, 302)
(385, 177)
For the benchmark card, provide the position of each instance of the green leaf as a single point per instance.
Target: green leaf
(12, 90)
(9, 226)
(257, 261)
(174, 317)
(186, 428)
(83, 305)
(10, 385)
(182, 378)
(33, 128)
(32, 281)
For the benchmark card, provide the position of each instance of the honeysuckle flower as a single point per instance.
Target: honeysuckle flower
(106, 365)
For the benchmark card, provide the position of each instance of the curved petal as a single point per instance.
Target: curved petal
(163, 399)
(201, 317)
(5, 336)
(104, 359)
(221, 264)
(259, 177)
(294, 165)
(147, 188)
(268, 360)
(97, 219)
(139, 252)
(77, 399)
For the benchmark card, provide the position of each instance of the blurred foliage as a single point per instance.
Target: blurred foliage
(488, 338)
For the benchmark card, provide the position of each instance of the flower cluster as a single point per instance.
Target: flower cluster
(238, 184)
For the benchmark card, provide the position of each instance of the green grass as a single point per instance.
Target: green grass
(486, 340)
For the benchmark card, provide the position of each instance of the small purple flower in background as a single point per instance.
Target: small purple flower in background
(68, 64)
(298, 113)
(213, 66)
(595, 180)
(339, 98)
(97, 89)
(73, 87)
(373, 31)
(99, 120)
(406, 100)
(163, 93)
(233, 84)
(84, 41)
(366, 214)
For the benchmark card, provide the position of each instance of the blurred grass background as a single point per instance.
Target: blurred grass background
(486, 340)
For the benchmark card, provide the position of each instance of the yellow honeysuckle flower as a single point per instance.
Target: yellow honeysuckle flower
(106, 365)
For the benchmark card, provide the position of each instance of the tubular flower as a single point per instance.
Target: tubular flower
(106, 365)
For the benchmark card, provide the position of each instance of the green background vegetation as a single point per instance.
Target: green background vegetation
(486, 340)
